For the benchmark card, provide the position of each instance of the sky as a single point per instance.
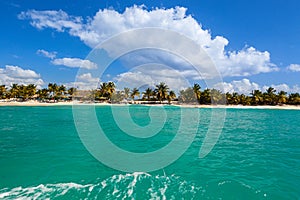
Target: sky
(253, 44)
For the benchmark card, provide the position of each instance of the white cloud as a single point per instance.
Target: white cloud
(84, 82)
(47, 54)
(139, 79)
(14, 74)
(134, 79)
(144, 76)
(283, 87)
(58, 20)
(294, 67)
(295, 88)
(17, 72)
(75, 63)
(278, 88)
(107, 23)
(245, 86)
(87, 77)
(245, 62)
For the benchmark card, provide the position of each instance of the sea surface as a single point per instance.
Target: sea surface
(257, 156)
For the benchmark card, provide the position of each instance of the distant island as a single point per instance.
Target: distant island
(160, 94)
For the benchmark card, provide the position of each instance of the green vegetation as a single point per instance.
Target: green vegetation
(53, 92)
(160, 94)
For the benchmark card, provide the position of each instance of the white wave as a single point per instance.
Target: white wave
(122, 186)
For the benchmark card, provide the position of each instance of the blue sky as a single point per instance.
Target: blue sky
(265, 33)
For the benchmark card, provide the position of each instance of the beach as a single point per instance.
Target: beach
(70, 103)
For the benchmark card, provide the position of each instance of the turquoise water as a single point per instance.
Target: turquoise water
(256, 157)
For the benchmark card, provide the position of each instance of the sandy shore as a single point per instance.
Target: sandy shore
(283, 107)
(36, 103)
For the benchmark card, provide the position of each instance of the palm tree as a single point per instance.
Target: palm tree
(228, 98)
(52, 88)
(22, 92)
(205, 97)
(294, 99)
(216, 96)
(61, 91)
(43, 93)
(126, 92)
(71, 92)
(103, 90)
(117, 97)
(107, 89)
(161, 91)
(148, 93)
(232, 99)
(270, 96)
(244, 100)
(281, 97)
(197, 92)
(171, 96)
(2, 92)
(14, 91)
(257, 97)
(30, 91)
(134, 92)
(235, 98)
(187, 95)
(111, 88)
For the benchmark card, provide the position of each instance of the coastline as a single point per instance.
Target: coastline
(283, 107)
(36, 103)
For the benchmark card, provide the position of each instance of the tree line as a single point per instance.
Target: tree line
(22, 92)
(256, 97)
(161, 93)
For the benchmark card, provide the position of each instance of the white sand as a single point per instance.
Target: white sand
(286, 107)
(33, 103)
(36, 103)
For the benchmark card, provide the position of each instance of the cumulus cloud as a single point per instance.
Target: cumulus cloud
(245, 86)
(142, 80)
(15, 74)
(75, 63)
(47, 54)
(245, 62)
(283, 87)
(294, 67)
(146, 76)
(280, 87)
(87, 77)
(84, 81)
(107, 23)
(295, 88)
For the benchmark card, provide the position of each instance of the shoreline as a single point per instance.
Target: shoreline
(36, 103)
(283, 107)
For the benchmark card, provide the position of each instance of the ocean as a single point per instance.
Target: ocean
(257, 155)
